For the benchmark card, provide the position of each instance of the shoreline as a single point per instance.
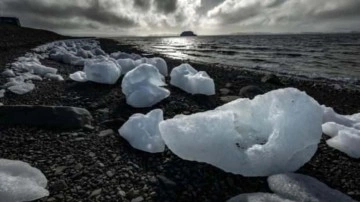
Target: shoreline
(82, 165)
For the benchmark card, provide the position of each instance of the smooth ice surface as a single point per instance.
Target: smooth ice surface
(258, 197)
(344, 131)
(191, 81)
(299, 187)
(142, 131)
(78, 76)
(273, 133)
(102, 70)
(2, 93)
(126, 65)
(21, 182)
(22, 88)
(8, 73)
(54, 77)
(160, 64)
(142, 86)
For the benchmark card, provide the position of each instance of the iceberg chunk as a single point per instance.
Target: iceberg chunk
(102, 70)
(8, 73)
(273, 133)
(258, 197)
(78, 76)
(142, 131)
(299, 187)
(142, 86)
(21, 88)
(343, 130)
(126, 65)
(190, 80)
(21, 182)
(160, 64)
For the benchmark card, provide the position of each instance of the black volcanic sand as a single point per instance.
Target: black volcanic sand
(82, 166)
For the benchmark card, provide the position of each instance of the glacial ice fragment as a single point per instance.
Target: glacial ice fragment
(21, 182)
(343, 130)
(299, 187)
(259, 197)
(190, 80)
(142, 86)
(102, 70)
(142, 131)
(273, 133)
(126, 65)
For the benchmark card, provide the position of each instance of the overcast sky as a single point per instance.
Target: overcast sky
(156, 17)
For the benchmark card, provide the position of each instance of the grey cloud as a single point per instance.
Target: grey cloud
(142, 4)
(166, 6)
(52, 11)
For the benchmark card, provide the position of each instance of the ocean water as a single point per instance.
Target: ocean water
(331, 56)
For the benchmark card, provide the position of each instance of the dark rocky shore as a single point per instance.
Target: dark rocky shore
(95, 164)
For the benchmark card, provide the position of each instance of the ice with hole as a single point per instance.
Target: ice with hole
(142, 131)
(191, 81)
(142, 86)
(291, 187)
(21, 182)
(343, 130)
(273, 133)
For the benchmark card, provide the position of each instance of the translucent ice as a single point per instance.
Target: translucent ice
(8, 73)
(142, 86)
(192, 81)
(21, 182)
(299, 187)
(343, 130)
(54, 77)
(21, 88)
(142, 131)
(293, 187)
(160, 64)
(273, 133)
(78, 76)
(126, 65)
(258, 197)
(102, 70)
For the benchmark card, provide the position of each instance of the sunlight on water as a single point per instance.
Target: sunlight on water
(334, 56)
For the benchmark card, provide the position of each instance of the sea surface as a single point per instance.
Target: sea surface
(331, 56)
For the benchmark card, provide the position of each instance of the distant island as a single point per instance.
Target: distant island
(188, 33)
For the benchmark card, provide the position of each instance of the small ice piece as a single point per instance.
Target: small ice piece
(29, 76)
(102, 70)
(259, 197)
(344, 139)
(126, 65)
(343, 130)
(21, 182)
(273, 133)
(2, 93)
(142, 86)
(22, 88)
(191, 81)
(99, 51)
(8, 73)
(120, 55)
(299, 187)
(34, 67)
(54, 77)
(78, 76)
(142, 131)
(160, 64)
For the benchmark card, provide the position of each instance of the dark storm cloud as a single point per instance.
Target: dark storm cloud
(166, 6)
(142, 4)
(57, 14)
